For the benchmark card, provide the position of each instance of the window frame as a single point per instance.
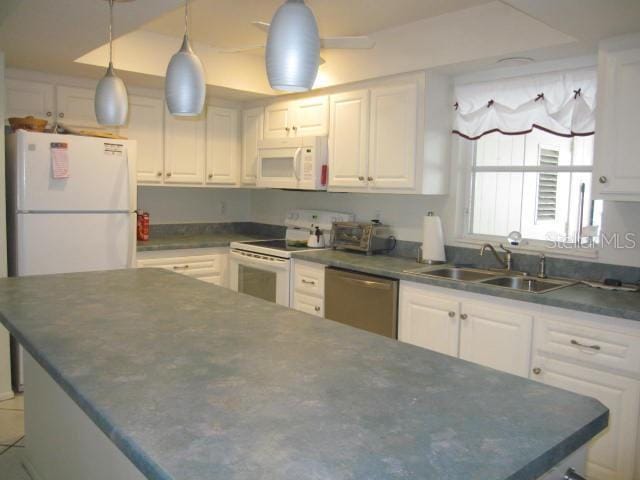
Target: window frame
(466, 187)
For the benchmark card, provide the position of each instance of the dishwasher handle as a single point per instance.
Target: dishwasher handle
(369, 283)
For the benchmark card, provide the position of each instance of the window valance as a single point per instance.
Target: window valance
(562, 103)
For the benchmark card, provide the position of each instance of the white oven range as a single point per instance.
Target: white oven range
(262, 268)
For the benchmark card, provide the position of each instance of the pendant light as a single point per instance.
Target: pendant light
(185, 87)
(111, 101)
(293, 48)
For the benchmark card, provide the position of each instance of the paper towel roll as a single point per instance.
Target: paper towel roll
(432, 240)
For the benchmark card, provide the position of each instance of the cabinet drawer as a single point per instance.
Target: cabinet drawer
(308, 304)
(309, 279)
(185, 264)
(588, 344)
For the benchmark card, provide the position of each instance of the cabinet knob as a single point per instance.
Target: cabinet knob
(168, 174)
(159, 174)
(537, 371)
(295, 129)
(464, 316)
(317, 308)
(602, 179)
(61, 114)
(49, 114)
(287, 129)
(370, 179)
(211, 175)
(452, 314)
(361, 178)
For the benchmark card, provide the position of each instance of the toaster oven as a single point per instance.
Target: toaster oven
(366, 237)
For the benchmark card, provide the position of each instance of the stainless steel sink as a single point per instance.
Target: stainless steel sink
(456, 273)
(528, 284)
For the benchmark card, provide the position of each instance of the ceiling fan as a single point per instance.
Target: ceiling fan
(361, 42)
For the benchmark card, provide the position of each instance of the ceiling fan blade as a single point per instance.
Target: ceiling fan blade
(355, 43)
(248, 48)
(264, 26)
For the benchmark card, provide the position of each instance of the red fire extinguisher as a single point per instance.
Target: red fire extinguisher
(143, 225)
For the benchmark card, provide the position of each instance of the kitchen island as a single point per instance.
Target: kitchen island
(192, 381)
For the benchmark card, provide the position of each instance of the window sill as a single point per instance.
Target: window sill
(531, 247)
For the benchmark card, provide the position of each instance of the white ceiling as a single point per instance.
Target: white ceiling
(452, 35)
(226, 23)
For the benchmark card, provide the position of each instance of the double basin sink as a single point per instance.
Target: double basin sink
(504, 279)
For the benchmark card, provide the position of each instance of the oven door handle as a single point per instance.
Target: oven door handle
(255, 259)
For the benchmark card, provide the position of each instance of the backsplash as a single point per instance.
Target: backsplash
(243, 228)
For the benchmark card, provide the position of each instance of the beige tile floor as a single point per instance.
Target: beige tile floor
(12, 439)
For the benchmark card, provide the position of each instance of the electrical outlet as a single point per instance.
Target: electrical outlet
(223, 208)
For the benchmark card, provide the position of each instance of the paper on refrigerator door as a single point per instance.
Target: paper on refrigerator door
(59, 160)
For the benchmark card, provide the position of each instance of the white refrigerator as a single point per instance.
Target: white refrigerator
(83, 222)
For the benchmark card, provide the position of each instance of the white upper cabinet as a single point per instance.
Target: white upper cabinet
(496, 337)
(146, 126)
(402, 146)
(252, 128)
(349, 140)
(616, 174)
(393, 139)
(34, 99)
(76, 106)
(305, 117)
(310, 116)
(185, 149)
(223, 148)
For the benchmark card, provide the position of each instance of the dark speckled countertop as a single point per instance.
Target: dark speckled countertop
(579, 297)
(245, 389)
(200, 240)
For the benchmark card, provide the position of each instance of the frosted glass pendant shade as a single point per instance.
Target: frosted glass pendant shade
(111, 100)
(293, 48)
(185, 87)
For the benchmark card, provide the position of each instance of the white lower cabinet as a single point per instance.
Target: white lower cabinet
(499, 338)
(429, 320)
(612, 454)
(308, 287)
(476, 331)
(206, 264)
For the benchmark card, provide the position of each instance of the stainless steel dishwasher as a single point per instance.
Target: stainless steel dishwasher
(363, 301)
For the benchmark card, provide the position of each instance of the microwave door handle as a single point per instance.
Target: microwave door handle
(296, 162)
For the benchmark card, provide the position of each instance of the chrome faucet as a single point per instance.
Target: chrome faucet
(542, 266)
(506, 263)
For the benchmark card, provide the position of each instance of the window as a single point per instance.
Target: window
(538, 184)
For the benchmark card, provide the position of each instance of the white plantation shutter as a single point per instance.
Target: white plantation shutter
(562, 103)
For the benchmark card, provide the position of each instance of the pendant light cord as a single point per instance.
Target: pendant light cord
(110, 31)
(186, 18)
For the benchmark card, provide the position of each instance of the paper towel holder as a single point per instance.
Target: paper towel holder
(428, 261)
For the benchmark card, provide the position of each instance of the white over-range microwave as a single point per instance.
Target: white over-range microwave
(298, 163)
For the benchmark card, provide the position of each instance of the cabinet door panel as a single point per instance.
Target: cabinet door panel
(184, 149)
(76, 107)
(278, 120)
(616, 165)
(497, 338)
(308, 304)
(25, 98)
(348, 140)
(393, 136)
(611, 455)
(252, 132)
(146, 126)
(222, 146)
(310, 116)
(428, 320)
